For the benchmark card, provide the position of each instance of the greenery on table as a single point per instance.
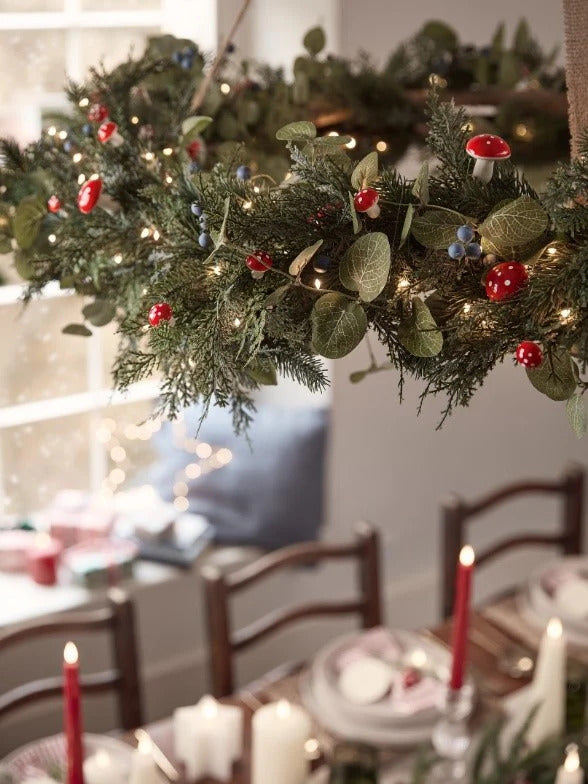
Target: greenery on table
(231, 331)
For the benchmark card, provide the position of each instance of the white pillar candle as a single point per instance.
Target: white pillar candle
(101, 768)
(208, 738)
(279, 732)
(570, 772)
(143, 767)
(548, 689)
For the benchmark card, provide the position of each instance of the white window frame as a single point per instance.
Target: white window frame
(180, 18)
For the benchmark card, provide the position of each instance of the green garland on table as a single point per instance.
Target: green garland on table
(335, 273)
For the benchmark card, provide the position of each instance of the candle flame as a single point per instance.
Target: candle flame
(283, 709)
(572, 760)
(70, 653)
(209, 707)
(467, 555)
(554, 628)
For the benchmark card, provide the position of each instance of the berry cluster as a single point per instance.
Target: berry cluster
(204, 237)
(184, 57)
(465, 246)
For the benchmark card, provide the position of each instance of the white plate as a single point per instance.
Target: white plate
(543, 604)
(47, 756)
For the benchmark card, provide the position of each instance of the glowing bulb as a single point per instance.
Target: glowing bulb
(169, 179)
(52, 130)
(467, 308)
(351, 143)
(76, 157)
(167, 151)
(317, 283)
(52, 238)
(554, 629)
(467, 555)
(381, 146)
(333, 133)
(117, 258)
(418, 658)
(94, 176)
(572, 760)
(149, 156)
(564, 314)
(216, 269)
(118, 454)
(287, 175)
(192, 470)
(181, 504)
(467, 127)
(256, 189)
(225, 88)
(144, 233)
(209, 707)
(247, 205)
(551, 250)
(203, 450)
(83, 102)
(135, 120)
(283, 709)
(312, 748)
(70, 653)
(62, 135)
(117, 476)
(224, 456)
(180, 488)
(237, 322)
(156, 235)
(403, 283)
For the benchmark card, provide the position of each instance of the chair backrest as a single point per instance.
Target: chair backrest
(117, 617)
(224, 643)
(457, 514)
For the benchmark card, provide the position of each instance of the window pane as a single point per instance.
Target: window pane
(25, 6)
(111, 46)
(40, 55)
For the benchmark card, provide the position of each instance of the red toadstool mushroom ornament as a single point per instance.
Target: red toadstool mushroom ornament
(366, 200)
(108, 134)
(54, 204)
(529, 354)
(486, 149)
(97, 112)
(505, 280)
(159, 312)
(259, 262)
(89, 195)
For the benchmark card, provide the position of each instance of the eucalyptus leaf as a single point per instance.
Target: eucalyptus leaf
(436, 229)
(556, 376)
(222, 235)
(516, 223)
(314, 41)
(301, 88)
(497, 43)
(193, 126)
(263, 371)
(338, 325)
(366, 265)
(331, 141)
(27, 220)
(419, 333)
(357, 376)
(354, 218)
(509, 70)
(366, 171)
(99, 313)
(77, 329)
(303, 258)
(576, 411)
(301, 130)
(408, 218)
(420, 189)
(276, 296)
(23, 264)
(5, 244)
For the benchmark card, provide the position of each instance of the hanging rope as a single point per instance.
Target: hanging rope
(576, 37)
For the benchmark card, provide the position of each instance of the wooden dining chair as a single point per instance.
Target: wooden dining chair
(457, 514)
(117, 618)
(224, 643)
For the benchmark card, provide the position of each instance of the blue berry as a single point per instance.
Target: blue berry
(465, 233)
(177, 57)
(87, 129)
(67, 146)
(321, 263)
(203, 220)
(456, 250)
(194, 167)
(243, 173)
(204, 240)
(473, 250)
(188, 51)
(186, 63)
(196, 209)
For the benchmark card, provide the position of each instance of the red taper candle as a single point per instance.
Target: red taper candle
(461, 615)
(72, 709)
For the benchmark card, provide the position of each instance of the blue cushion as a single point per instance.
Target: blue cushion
(271, 493)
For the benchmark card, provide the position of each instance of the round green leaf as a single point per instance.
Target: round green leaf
(338, 325)
(436, 228)
(576, 411)
(23, 263)
(366, 265)
(420, 189)
(303, 258)
(263, 371)
(518, 222)
(314, 40)
(301, 130)
(193, 127)
(77, 329)
(419, 333)
(366, 171)
(27, 220)
(99, 312)
(556, 376)
(5, 244)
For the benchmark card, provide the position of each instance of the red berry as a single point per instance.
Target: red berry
(505, 280)
(411, 677)
(97, 112)
(193, 150)
(529, 354)
(259, 261)
(54, 205)
(161, 311)
(106, 131)
(365, 199)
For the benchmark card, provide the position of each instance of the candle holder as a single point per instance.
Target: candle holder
(451, 735)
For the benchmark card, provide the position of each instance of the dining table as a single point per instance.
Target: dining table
(502, 648)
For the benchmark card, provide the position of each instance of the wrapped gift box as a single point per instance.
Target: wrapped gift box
(101, 562)
(14, 548)
(73, 517)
